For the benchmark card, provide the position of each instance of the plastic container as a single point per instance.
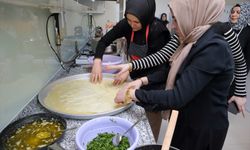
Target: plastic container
(111, 124)
(108, 60)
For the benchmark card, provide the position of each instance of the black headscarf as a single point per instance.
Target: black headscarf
(144, 10)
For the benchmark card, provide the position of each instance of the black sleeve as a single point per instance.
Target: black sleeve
(121, 29)
(221, 27)
(194, 78)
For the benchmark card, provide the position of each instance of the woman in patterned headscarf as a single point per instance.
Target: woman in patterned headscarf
(239, 19)
(199, 78)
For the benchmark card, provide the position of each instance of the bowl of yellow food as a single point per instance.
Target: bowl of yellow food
(98, 133)
(36, 131)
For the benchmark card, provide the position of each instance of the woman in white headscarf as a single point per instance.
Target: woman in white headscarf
(199, 79)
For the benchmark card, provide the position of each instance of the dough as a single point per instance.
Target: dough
(80, 96)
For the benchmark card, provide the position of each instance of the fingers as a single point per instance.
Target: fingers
(122, 67)
(95, 77)
(242, 110)
(96, 73)
(120, 73)
(112, 67)
(117, 81)
(231, 100)
(120, 96)
(120, 78)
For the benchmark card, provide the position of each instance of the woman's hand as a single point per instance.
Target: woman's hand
(240, 102)
(96, 73)
(120, 78)
(121, 94)
(122, 67)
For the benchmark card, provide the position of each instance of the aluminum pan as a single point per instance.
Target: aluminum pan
(44, 92)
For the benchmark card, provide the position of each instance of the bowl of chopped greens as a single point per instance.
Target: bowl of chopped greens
(97, 134)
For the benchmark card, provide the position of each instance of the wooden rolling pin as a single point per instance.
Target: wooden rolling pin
(170, 130)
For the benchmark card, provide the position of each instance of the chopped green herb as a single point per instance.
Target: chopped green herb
(104, 142)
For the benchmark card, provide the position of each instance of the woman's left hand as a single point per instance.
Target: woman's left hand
(122, 67)
(240, 102)
(120, 78)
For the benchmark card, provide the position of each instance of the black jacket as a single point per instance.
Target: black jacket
(200, 94)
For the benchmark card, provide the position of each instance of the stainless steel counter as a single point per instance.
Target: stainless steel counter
(68, 142)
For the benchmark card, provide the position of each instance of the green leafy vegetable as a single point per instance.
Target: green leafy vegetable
(104, 142)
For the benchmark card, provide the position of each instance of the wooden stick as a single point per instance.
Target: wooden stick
(170, 130)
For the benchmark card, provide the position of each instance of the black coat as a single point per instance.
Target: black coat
(200, 95)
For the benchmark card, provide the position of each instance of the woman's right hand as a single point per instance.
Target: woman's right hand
(122, 67)
(240, 102)
(121, 94)
(96, 73)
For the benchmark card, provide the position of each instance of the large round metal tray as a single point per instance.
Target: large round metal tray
(44, 92)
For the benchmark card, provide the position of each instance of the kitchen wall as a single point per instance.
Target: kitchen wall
(162, 7)
(27, 62)
(111, 13)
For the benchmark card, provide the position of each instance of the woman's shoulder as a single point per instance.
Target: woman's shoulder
(221, 27)
(212, 49)
(248, 26)
(122, 27)
(122, 23)
(246, 32)
(212, 37)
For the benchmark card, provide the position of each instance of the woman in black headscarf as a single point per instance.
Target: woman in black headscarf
(145, 34)
(164, 19)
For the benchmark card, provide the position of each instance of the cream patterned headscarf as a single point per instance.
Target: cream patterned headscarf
(193, 18)
(244, 19)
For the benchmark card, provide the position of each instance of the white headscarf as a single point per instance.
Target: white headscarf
(193, 18)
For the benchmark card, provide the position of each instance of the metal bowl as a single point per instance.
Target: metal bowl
(44, 92)
(12, 128)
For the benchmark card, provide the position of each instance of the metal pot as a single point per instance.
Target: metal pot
(11, 128)
(149, 147)
(153, 147)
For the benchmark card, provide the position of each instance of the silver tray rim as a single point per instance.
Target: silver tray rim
(44, 92)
